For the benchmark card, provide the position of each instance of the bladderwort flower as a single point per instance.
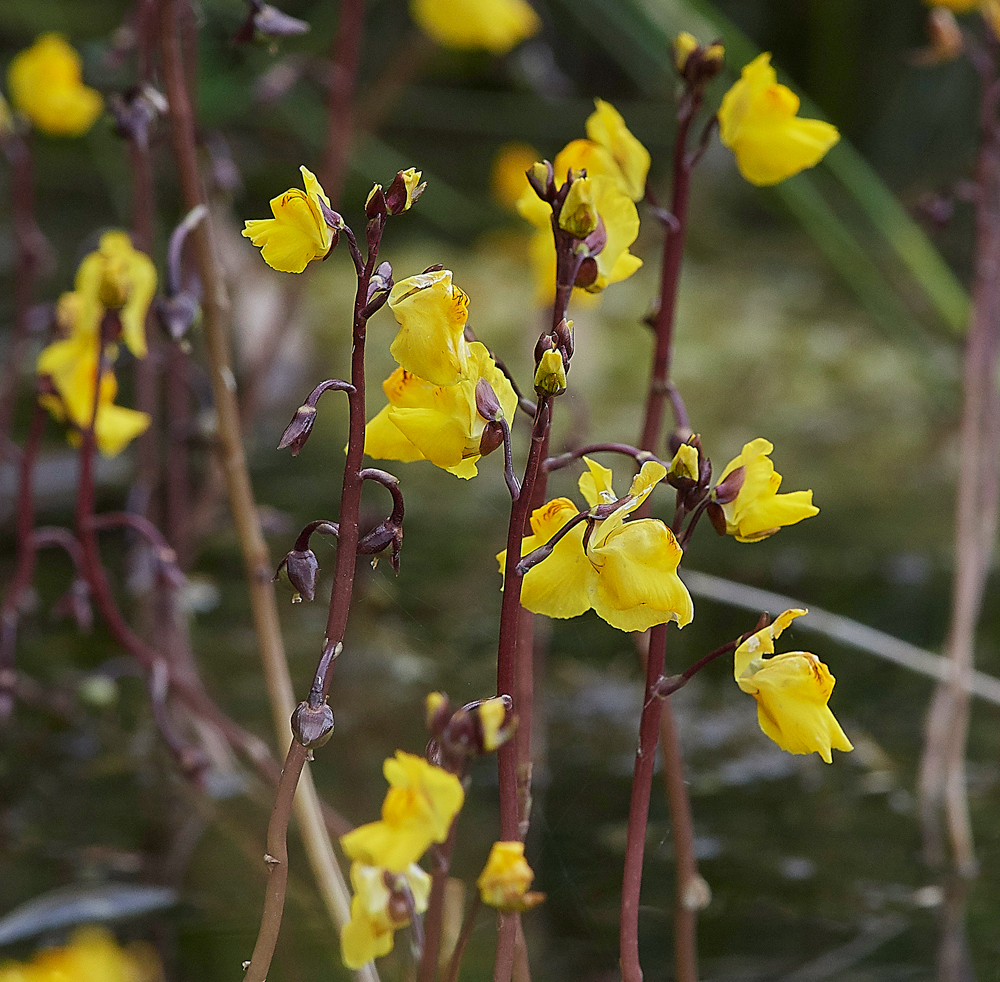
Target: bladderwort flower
(46, 86)
(493, 25)
(116, 276)
(757, 510)
(419, 807)
(383, 902)
(758, 121)
(71, 369)
(627, 572)
(792, 691)
(505, 879)
(433, 412)
(92, 955)
(616, 165)
(298, 233)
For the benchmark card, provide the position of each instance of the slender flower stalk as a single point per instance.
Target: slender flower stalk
(657, 715)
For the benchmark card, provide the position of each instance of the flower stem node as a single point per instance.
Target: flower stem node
(404, 191)
(301, 566)
(505, 879)
(312, 727)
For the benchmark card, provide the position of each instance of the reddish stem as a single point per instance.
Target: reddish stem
(435, 906)
(344, 59)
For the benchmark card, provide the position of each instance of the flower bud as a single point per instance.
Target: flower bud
(312, 727)
(550, 376)
(438, 712)
(717, 517)
(375, 203)
(491, 439)
(684, 469)
(487, 403)
(404, 191)
(587, 276)
(504, 882)
(298, 430)
(542, 178)
(301, 566)
(685, 45)
(496, 722)
(578, 215)
(177, 313)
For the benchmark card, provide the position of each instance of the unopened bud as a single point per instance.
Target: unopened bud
(594, 243)
(487, 403)
(275, 23)
(564, 336)
(727, 490)
(491, 439)
(375, 203)
(684, 469)
(301, 566)
(178, 313)
(298, 430)
(587, 275)
(404, 191)
(496, 722)
(438, 712)
(578, 215)
(542, 178)
(685, 45)
(550, 376)
(312, 727)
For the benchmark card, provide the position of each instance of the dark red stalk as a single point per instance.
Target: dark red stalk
(441, 857)
(344, 58)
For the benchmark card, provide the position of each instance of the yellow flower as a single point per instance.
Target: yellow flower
(506, 877)
(431, 312)
(71, 366)
(298, 233)
(685, 463)
(419, 807)
(758, 510)
(496, 25)
(550, 376)
(92, 955)
(792, 691)
(439, 423)
(507, 175)
(578, 215)
(606, 128)
(46, 84)
(628, 571)
(685, 44)
(114, 277)
(379, 909)
(758, 122)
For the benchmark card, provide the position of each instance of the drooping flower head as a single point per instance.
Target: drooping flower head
(792, 691)
(418, 809)
(505, 879)
(758, 122)
(116, 276)
(758, 510)
(628, 570)
(298, 232)
(493, 25)
(46, 85)
(379, 908)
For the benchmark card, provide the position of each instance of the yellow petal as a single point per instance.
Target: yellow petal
(494, 25)
(637, 584)
(762, 643)
(607, 128)
(595, 484)
(116, 427)
(297, 234)
(431, 312)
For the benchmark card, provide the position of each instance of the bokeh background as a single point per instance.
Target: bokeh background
(825, 315)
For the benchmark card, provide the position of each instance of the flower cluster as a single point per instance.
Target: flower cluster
(609, 169)
(113, 290)
(92, 955)
(435, 409)
(625, 570)
(389, 887)
(792, 691)
(46, 85)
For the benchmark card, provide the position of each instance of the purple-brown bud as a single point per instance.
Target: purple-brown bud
(266, 21)
(717, 517)
(404, 191)
(301, 566)
(587, 275)
(312, 727)
(375, 205)
(298, 430)
(491, 439)
(542, 179)
(487, 403)
(177, 313)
